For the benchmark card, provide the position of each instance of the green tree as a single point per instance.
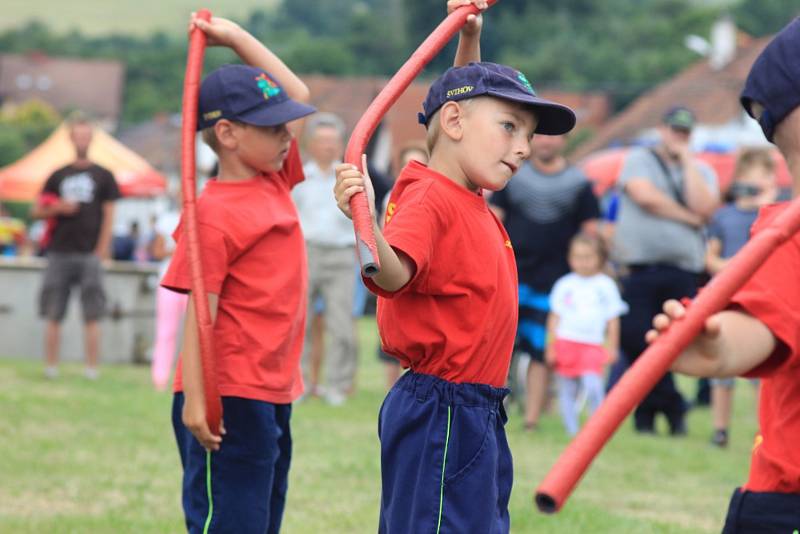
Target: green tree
(764, 17)
(12, 145)
(23, 127)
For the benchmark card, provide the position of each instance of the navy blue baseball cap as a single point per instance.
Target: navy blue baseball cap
(246, 94)
(774, 80)
(491, 79)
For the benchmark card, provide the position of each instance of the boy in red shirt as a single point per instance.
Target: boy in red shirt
(255, 273)
(759, 334)
(447, 306)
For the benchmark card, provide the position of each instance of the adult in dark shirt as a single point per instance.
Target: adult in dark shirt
(543, 207)
(83, 214)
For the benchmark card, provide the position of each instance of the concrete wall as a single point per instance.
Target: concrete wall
(126, 334)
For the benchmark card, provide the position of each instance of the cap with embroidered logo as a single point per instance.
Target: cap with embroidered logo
(246, 94)
(500, 81)
(680, 118)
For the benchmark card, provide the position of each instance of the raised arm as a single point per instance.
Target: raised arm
(469, 38)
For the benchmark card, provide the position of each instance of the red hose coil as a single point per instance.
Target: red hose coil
(191, 90)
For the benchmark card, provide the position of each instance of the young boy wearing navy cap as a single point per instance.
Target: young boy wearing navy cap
(447, 301)
(255, 273)
(758, 335)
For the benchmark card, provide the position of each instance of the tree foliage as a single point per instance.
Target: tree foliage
(621, 47)
(23, 127)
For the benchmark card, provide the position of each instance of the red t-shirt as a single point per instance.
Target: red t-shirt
(254, 258)
(457, 317)
(772, 295)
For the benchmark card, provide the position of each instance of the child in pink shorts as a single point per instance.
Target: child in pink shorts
(583, 328)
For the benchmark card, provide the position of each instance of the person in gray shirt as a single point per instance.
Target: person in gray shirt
(666, 197)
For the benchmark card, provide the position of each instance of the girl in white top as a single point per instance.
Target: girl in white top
(583, 327)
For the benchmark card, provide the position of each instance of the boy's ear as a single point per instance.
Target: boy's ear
(451, 120)
(224, 131)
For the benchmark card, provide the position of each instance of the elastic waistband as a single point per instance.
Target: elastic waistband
(426, 386)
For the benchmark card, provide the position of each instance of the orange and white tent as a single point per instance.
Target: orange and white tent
(23, 180)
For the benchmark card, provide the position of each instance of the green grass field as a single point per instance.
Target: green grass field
(98, 17)
(99, 457)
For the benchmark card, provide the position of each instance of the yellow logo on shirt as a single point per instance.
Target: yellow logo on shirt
(390, 209)
(508, 244)
(758, 441)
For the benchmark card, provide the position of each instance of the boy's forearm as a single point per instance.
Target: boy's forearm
(469, 50)
(192, 370)
(254, 53)
(395, 271)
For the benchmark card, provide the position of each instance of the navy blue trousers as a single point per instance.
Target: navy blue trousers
(763, 513)
(246, 479)
(445, 462)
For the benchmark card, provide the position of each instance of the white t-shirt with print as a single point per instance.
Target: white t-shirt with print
(584, 306)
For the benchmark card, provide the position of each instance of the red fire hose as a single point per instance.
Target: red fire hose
(657, 359)
(191, 89)
(362, 221)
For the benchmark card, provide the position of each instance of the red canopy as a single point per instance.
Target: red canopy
(603, 167)
(23, 180)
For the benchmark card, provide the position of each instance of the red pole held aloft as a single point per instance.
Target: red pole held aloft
(191, 90)
(362, 221)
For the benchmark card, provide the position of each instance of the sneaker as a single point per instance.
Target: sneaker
(679, 429)
(334, 398)
(51, 373)
(91, 373)
(531, 426)
(720, 438)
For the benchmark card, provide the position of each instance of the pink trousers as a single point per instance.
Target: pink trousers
(170, 308)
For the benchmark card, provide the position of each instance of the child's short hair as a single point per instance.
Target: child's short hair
(753, 157)
(209, 136)
(593, 241)
(434, 129)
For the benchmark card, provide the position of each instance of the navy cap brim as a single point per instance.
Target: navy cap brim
(554, 119)
(287, 111)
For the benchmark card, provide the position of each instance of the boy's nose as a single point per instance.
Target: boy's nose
(523, 149)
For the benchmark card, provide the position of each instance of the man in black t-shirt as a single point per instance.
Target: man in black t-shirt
(543, 207)
(81, 201)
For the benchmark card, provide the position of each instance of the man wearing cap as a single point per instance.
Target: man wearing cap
(666, 198)
(546, 204)
(757, 335)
